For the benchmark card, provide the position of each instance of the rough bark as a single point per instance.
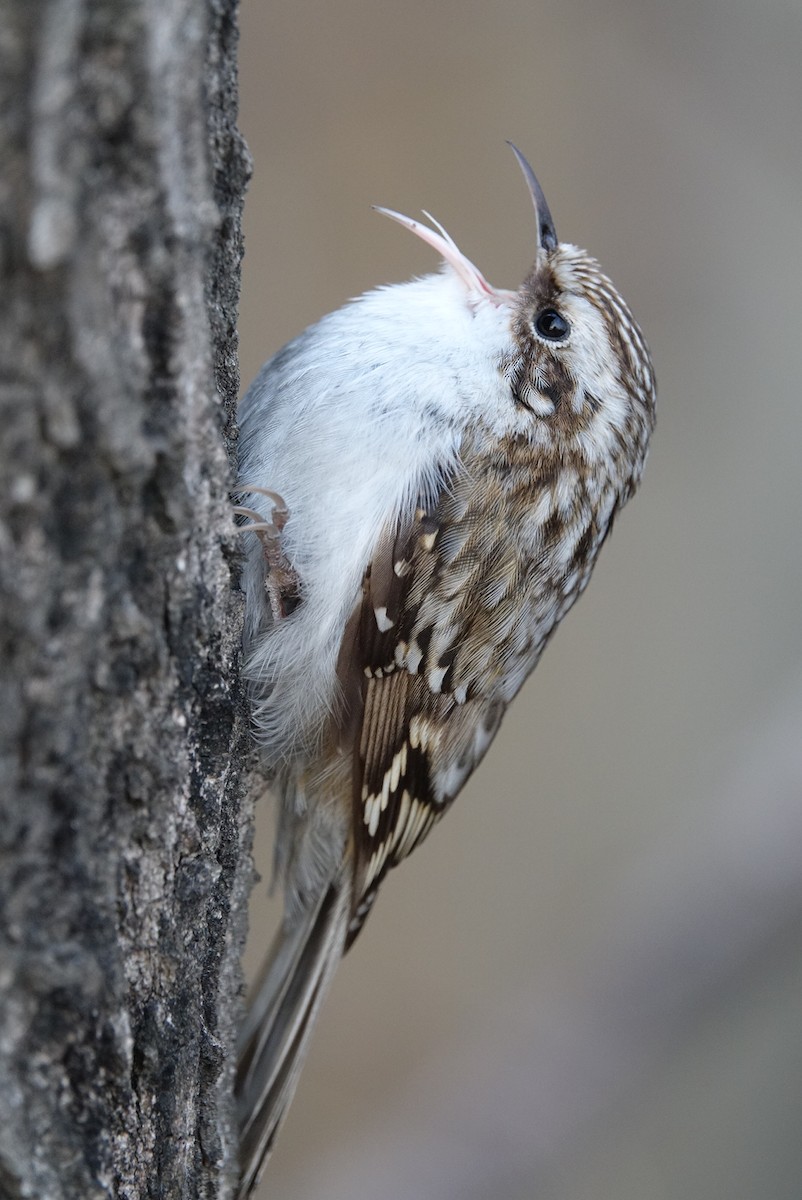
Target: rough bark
(123, 841)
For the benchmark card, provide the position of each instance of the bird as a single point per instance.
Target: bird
(431, 472)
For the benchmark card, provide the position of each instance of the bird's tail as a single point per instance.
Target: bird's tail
(281, 1016)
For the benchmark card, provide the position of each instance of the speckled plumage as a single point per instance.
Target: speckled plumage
(452, 457)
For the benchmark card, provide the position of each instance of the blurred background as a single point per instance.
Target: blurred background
(586, 984)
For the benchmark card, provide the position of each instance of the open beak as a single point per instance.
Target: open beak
(441, 241)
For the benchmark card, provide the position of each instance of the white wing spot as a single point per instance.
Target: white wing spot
(376, 863)
(403, 816)
(371, 814)
(382, 620)
(423, 734)
(436, 677)
(414, 656)
(407, 832)
(398, 767)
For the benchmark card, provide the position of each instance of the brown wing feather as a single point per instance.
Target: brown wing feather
(394, 802)
(448, 616)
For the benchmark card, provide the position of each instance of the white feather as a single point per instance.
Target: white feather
(351, 423)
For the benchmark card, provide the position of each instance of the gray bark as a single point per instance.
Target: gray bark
(124, 860)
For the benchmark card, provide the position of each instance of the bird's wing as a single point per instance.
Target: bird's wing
(418, 673)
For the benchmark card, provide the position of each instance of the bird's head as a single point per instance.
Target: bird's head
(576, 360)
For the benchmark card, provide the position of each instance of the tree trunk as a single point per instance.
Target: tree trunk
(123, 735)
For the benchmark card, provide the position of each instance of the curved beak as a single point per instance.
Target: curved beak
(547, 234)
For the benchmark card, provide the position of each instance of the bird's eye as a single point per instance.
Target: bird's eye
(551, 325)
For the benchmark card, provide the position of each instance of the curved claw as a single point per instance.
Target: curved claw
(259, 524)
(282, 584)
(280, 509)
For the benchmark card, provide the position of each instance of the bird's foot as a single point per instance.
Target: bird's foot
(282, 583)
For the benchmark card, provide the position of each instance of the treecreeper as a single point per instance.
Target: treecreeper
(429, 474)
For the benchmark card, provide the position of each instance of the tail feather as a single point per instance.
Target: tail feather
(275, 1036)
